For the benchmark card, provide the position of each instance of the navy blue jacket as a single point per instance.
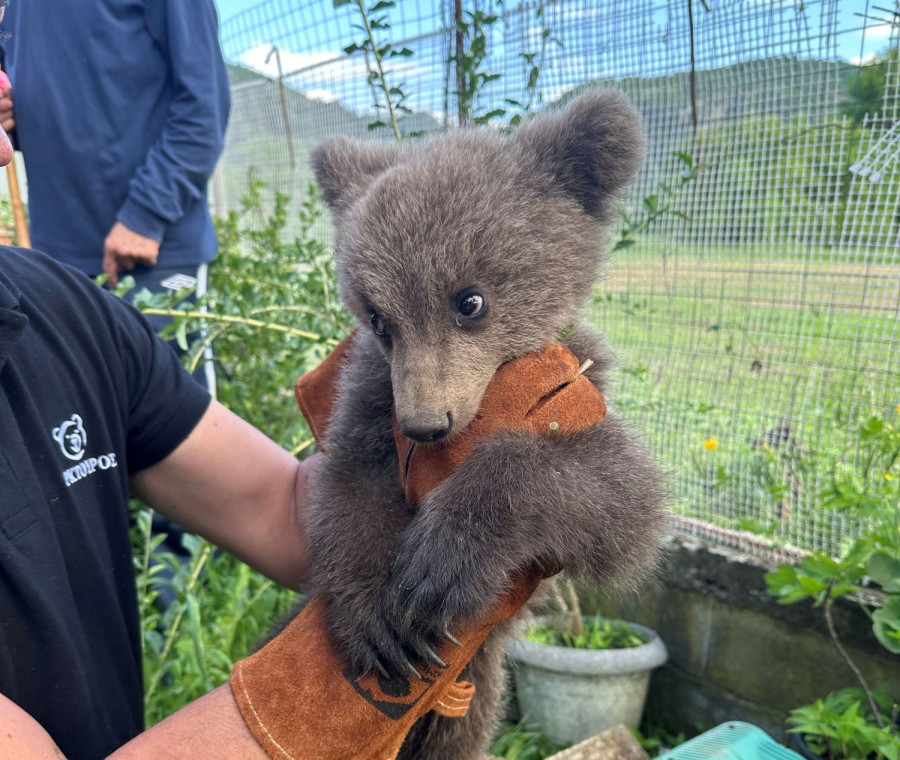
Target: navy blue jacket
(121, 108)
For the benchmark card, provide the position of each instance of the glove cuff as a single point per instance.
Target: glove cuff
(299, 701)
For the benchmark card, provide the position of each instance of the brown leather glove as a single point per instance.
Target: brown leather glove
(296, 695)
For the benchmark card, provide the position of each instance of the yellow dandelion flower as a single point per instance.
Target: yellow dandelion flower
(898, 408)
(888, 477)
(711, 444)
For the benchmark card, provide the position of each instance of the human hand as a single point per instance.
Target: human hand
(124, 249)
(7, 113)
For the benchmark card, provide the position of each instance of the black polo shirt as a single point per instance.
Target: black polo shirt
(88, 395)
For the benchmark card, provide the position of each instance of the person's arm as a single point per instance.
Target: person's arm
(210, 728)
(178, 166)
(234, 486)
(22, 738)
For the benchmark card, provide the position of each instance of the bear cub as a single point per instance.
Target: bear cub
(457, 253)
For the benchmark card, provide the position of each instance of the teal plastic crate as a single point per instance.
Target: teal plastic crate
(732, 741)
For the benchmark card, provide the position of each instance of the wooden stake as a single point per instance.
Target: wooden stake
(23, 239)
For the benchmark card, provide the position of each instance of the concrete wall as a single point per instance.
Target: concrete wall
(734, 652)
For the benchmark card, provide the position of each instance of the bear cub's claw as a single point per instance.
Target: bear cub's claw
(373, 639)
(444, 580)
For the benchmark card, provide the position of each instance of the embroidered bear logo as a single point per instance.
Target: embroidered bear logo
(71, 438)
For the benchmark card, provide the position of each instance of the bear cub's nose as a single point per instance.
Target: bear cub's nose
(426, 427)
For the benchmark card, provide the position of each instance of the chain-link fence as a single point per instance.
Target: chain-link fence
(755, 304)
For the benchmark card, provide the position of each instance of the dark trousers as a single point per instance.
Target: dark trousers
(165, 279)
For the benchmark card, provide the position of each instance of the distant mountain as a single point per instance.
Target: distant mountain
(783, 86)
(780, 85)
(257, 145)
(258, 108)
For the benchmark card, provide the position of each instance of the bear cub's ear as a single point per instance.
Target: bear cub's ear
(344, 168)
(592, 148)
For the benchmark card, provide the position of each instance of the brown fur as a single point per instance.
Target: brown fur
(520, 219)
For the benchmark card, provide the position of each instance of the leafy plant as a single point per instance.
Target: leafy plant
(659, 204)
(840, 727)
(472, 32)
(535, 61)
(271, 313)
(521, 742)
(472, 35)
(215, 608)
(388, 98)
(599, 633)
(655, 739)
(866, 488)
(565, 626)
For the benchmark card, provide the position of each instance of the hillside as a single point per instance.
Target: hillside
(776, 86)
(257, 145)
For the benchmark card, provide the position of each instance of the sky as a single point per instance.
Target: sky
(849, 12)
(228, 8)
(323, 32)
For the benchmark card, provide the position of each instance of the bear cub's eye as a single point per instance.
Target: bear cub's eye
(472, 304)
(378, 325)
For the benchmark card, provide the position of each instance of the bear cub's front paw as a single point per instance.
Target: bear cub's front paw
(372, 638)
(443, 578)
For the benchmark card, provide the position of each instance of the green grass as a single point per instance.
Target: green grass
(749, 374)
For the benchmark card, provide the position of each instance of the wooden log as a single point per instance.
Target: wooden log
(615, 744)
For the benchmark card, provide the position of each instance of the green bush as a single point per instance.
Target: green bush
(519, 741)
(271, 313)
(840, 727)
(220, 608)
(855, 724)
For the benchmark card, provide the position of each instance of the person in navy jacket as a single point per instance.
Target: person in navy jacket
(120, 109)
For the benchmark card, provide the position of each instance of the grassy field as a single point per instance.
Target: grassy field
(750, 373)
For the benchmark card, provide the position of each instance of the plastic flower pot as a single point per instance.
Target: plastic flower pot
(574, 694)
(799, 744)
